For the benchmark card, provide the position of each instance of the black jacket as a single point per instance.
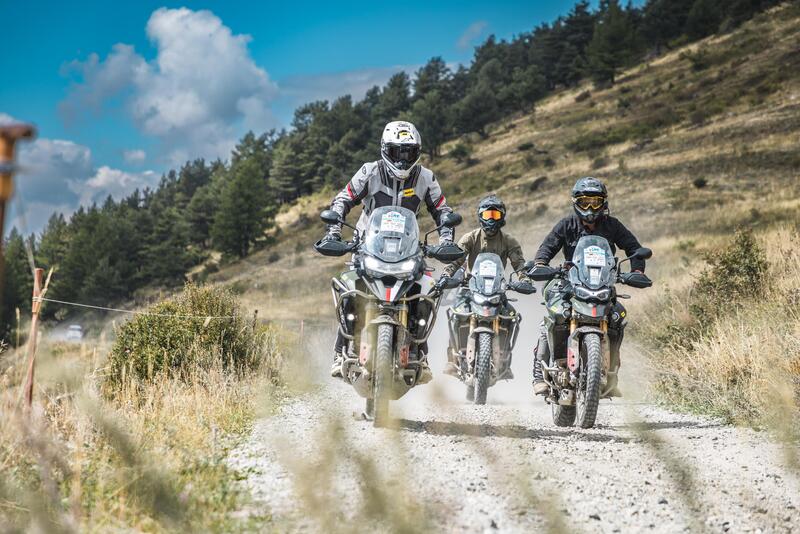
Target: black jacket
(564, 236)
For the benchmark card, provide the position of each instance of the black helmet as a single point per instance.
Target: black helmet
(491, 214)
(590, 199)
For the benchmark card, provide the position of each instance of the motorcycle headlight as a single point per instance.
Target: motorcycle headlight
(480, 299)
(401, 270)
(588, 294)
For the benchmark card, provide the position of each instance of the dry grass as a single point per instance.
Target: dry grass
(744, 364)
(149, 458)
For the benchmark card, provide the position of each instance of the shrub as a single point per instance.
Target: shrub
(734, 273)
(585, 95)
(273, 257)
(700, 183)
(461, 152)
(525, 146)
(165, 342)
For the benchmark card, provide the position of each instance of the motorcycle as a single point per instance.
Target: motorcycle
(484, 327)
(387, 302)
(581, 301)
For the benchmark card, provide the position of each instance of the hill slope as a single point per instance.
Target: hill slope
(699, 140)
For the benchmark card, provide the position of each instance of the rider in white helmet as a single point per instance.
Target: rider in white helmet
(397, 179)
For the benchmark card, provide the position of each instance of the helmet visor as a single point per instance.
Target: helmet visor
(403, 156)
(589, 202)
(491, 215)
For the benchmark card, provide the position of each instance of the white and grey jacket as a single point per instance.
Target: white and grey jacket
(374, 187)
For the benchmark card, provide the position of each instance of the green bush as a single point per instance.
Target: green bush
(525, 146)
(461, 152)
(734, 273)
(164, 342)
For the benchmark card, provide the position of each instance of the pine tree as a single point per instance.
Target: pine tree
(242, 216)
(613, 45)
(428, 115)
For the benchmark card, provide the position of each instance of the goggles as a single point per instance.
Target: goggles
(589, 203)
(403, 156)
(493, 215)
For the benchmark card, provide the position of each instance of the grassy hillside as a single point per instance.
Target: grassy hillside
(700, 140)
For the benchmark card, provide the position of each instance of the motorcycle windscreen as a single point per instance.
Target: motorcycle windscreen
(487, 274)
(392, 234)
(593, 262)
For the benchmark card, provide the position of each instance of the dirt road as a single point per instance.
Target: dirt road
(504, 467)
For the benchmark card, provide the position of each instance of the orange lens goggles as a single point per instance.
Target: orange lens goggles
(491, 215)
(590, 203)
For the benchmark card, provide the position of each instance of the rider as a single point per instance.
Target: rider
(397, 179)
(487, 238)
(591, 217)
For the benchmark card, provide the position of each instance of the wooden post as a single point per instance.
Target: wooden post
(35, 306)
(8, 138)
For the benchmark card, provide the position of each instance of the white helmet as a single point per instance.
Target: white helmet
(401, 147)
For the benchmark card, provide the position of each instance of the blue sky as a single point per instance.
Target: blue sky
(121, 92)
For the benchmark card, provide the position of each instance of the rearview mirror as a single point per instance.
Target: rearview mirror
(330, 217)
(451, 219)
(643, 253)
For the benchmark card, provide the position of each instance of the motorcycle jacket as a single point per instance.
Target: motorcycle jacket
(566, 233)
(375, 187)
(476, 242)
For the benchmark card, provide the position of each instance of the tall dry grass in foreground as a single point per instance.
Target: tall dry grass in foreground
(728, 343)
(103, 452)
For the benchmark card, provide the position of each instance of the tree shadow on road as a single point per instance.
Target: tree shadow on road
(444, 428)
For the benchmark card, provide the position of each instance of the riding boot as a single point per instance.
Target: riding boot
(338, 358)
(539, 385)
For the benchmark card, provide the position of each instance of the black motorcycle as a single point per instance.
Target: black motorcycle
(581, 315)
(387, 302)
(484, 327)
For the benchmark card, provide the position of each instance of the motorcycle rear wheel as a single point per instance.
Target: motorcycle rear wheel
(589, 398)
(383, 372)
(483, 362)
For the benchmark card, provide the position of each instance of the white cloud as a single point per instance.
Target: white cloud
(134, 156)
(107, 181)
(472, 32)
(198, 94)
(60, 175)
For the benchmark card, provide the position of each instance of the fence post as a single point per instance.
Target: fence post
(35, 306)
(9, 135)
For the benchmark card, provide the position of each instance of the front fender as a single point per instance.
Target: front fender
(385, 319)
(573, 348)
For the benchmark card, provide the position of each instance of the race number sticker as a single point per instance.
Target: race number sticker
(487, 268)
(393, 221)
(594, 256)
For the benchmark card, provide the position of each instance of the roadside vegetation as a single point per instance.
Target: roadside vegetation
(139, 446)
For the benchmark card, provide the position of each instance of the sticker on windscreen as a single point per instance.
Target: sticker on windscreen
(393, 221)
(488, 285)
(487, 268)
(391, 245)
(594, 276)
(594, 256)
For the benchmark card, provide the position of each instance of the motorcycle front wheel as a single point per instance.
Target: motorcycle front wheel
(383, 373)
(589, 395)
(483, 362)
